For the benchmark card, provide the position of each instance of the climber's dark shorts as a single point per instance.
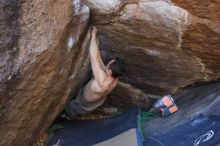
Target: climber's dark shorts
(77, 106)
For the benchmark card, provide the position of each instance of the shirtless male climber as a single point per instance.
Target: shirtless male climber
(92, 95)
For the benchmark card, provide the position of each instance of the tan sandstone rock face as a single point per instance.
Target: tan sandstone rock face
(166, 44)
(44, 59)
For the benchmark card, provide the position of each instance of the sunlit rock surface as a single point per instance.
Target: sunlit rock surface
(167, 45)
(44, 59)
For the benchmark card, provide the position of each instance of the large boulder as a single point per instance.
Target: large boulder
(44, 59)
(167, 45)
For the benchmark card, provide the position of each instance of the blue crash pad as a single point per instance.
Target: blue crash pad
(203, 130)
(85, 133)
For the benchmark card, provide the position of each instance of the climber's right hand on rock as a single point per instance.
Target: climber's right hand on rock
(94, 32)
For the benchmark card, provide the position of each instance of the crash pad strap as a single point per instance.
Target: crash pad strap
(143, 117)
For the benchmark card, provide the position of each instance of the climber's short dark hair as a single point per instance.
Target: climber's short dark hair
(117, 67)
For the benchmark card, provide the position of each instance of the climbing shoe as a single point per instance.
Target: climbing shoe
(165, 105)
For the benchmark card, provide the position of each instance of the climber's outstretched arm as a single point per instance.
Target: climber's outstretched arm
(96, 60)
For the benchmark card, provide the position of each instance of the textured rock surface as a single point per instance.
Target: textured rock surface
(126, 96)
(166, 44)
(208, 9)
(44, 59)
